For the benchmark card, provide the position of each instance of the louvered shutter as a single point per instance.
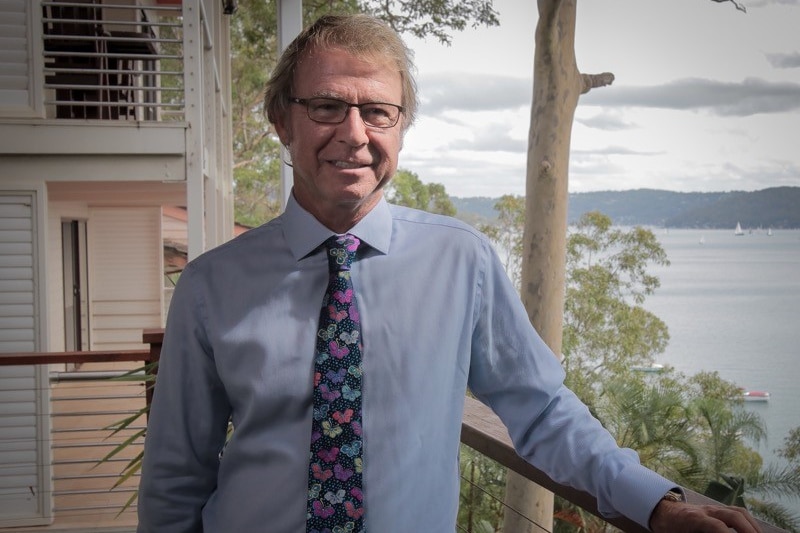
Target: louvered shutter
(18, 59)
(24, 390)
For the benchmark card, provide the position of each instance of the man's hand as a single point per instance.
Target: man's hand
(680, 517)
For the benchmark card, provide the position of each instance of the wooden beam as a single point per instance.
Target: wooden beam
(483, 431)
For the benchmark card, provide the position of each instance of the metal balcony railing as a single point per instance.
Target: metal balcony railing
(87, 493)
(112, 60)
(85, 402)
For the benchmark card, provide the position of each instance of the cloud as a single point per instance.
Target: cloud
(613, 150)
(465, 175)
(791, 60)
(490, 138)
(444, 92)
(606, 121)
(764, 3)
(750, 97)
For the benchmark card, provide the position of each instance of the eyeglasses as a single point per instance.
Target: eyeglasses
(333, 111)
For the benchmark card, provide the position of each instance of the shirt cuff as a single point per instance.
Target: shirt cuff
(637, 491)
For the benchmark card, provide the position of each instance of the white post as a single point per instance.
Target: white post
(193, 110)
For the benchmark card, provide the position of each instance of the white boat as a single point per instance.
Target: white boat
(655, 367)
(702, 240)
(755, 396)
(769, 232)
(738, 230)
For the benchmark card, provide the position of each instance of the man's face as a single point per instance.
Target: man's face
(341, 169)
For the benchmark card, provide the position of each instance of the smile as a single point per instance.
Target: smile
(348, 164)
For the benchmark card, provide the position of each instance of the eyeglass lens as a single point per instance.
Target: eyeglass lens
(333, 111)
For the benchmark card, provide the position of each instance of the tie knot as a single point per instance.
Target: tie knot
(341, 251)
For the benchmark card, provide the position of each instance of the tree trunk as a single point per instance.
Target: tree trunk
(557, 84)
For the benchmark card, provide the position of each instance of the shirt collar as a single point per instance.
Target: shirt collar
(304, 233)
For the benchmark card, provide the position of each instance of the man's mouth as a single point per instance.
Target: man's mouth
(348, 165)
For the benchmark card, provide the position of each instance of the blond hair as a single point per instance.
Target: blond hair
(362, 36)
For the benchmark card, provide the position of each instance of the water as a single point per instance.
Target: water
(732, 305)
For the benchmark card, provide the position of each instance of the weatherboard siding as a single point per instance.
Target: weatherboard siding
(125, 275)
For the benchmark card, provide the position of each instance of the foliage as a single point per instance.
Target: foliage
(254, 49)
(506, 233)
(406, 189)
(433, 18)
(483, 484)
(256, 150)
(606, 329)
(145, 374)
(791, 447)
(650, 416)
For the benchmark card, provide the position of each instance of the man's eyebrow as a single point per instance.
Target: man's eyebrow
(328, 94)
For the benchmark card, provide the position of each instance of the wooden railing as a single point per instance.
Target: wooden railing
(481, 429)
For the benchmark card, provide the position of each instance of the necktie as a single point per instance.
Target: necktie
(335, 466)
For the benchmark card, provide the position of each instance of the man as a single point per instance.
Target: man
(427, 308)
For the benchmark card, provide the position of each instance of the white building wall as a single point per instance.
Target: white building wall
(125, 275)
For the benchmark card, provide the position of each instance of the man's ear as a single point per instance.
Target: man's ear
(284, 132)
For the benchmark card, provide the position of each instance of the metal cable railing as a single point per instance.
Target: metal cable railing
(84, 407)
(112, 61)
(83, 458)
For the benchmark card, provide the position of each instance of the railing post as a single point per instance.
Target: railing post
(153, 337)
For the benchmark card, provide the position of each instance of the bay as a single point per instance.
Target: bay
(732, 305)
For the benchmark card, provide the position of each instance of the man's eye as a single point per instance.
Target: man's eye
(327, 107)
(376, 111)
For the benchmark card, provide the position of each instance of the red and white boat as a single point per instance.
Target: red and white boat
(755, 396)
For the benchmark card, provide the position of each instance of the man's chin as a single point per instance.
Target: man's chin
(356, 202)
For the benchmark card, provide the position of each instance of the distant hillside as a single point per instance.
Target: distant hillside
(777, 207)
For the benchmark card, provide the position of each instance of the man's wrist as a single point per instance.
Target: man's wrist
(672, 497)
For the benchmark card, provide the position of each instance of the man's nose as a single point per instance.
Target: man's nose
(354, 128)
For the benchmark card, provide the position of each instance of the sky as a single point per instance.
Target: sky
(706, 98)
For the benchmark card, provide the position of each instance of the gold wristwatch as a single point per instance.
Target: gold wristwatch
(674, 496)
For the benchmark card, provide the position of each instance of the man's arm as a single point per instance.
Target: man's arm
(516, 374)
(187, 424)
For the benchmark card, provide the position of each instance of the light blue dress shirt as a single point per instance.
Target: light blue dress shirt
(438, 315)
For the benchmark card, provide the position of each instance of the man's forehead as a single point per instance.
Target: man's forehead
(332, 72)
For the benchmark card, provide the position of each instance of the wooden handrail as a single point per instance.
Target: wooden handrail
(153, 337)
(47, 358)
(483, 431)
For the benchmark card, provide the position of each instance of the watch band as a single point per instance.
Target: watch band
(674, 496)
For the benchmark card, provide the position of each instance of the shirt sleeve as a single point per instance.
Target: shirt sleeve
(188, 421)
(514, 372)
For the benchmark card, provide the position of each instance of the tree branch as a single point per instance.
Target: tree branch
(738, 5)
(591, 81)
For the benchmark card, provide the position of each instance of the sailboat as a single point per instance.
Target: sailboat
(738, 231)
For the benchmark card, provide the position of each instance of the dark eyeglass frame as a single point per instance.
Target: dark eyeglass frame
(308, 101)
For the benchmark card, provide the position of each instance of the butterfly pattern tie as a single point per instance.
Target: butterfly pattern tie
(335, 465)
